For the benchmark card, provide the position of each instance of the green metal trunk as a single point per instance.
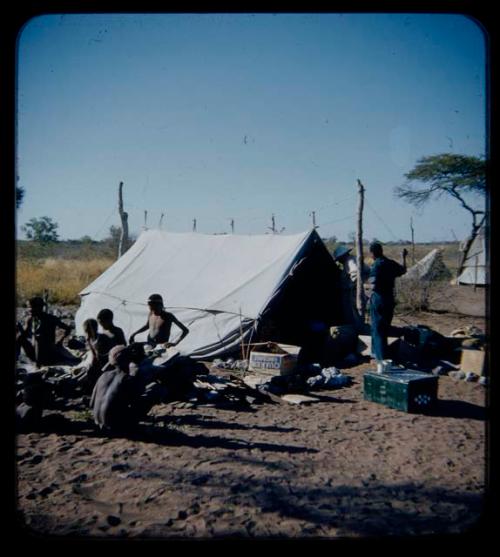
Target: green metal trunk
(409, 391)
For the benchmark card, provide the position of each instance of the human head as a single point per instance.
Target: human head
(119, 357)
(90, 327)
(122, 356)
(155, 301)
(36, 304)
(376, 249)
(105, 317)
(341, 252)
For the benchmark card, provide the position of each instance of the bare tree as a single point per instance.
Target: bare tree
(123, 245)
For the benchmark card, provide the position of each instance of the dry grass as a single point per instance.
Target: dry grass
(63, 278)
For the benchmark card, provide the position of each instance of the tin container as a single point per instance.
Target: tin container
(406, 390)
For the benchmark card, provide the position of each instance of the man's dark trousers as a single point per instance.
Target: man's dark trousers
(381, 313)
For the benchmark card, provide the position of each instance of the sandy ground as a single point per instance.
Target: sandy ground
(342, 467)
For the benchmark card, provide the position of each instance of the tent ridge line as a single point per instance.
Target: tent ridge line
(171, 307)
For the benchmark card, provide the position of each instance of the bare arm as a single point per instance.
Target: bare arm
(182, 327)
(141, 330)
(93, 351)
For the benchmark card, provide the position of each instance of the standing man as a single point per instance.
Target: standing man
(349, 277)
(382, 276)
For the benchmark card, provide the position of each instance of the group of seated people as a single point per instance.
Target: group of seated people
(37, 337)
(115, 375)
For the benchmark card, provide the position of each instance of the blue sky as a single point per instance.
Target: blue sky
(240, 116)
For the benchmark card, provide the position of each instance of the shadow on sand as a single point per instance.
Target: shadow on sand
(458, 409)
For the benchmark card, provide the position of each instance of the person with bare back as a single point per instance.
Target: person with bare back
(159, 324)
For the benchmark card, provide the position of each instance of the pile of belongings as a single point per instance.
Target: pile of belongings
(469, 337)
(231, 363)
(328, 378)
(470, 353)
(214, 389)
(427, 347)
(309, 377)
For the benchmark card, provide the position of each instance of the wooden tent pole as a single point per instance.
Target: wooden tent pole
(123, 245)
(360, 299)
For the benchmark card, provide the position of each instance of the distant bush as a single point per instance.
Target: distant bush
(70, 249)
(41, 230)
(415, 295)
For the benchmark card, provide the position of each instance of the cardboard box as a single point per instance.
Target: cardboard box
(473, 360)
(274, 359)
(406, 390)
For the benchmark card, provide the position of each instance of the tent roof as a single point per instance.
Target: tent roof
(219, 272)
(222, 282)
(430, 267)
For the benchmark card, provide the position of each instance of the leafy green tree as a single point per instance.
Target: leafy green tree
(19, 196)
(41, 230)
(459, 176)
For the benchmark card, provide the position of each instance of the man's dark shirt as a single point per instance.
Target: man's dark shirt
(382, 276)
(43, 328)
(104, 343)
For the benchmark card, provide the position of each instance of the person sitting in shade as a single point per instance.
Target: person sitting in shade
(159, 324)
(124, 394)
(115, 335)
(383, 274)
(37, 337)
(114, 391)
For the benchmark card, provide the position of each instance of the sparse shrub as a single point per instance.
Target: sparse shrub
(415, 295)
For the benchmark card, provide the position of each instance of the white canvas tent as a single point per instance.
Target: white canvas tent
(474, 268)
(224, 288)
(430, 267)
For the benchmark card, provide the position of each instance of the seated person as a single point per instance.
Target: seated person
(99, 346)
(120, 397)
(37, 337)
(159, 324)
(110, 330)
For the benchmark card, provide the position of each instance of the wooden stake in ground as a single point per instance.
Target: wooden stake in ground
(412, 242)
(123, 245)
(360, 299)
